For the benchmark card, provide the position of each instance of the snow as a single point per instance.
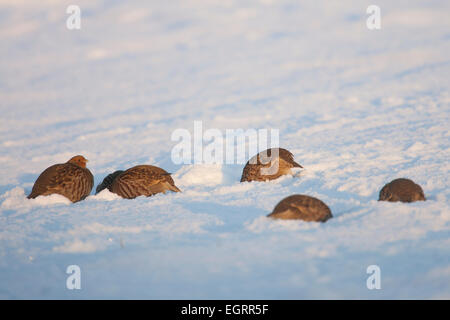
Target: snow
(357, 108)
(203, 175)
(15, 199)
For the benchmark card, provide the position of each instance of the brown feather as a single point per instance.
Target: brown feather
(402, 189)
(301, 207)
(143, 180)
(67, 179)
(253, 170)
(107, 182)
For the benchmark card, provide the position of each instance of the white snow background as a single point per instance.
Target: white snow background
(357, 107)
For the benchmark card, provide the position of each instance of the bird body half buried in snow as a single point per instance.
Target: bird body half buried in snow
(301, 207)
(269, 165)
(141, 180)
(402, 189)
(71, 179)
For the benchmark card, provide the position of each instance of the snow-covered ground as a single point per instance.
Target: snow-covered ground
(357, 107)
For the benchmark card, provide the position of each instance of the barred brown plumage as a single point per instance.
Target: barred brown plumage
(258, 168)
(402, 189)
(142, 180)
(301, 207)
(71, 179)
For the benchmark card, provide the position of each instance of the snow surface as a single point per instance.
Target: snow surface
(356, 107)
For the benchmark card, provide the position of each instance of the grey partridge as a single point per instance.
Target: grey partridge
(402, 189)
(268, 165)
(142, 180)
(71, 179)
(301, 207)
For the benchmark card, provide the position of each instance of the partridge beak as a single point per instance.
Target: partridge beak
(296, 164)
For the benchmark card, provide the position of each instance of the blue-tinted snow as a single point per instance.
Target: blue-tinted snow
(357, 108)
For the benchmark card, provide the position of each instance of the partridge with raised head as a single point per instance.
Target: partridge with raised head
(269, 165)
